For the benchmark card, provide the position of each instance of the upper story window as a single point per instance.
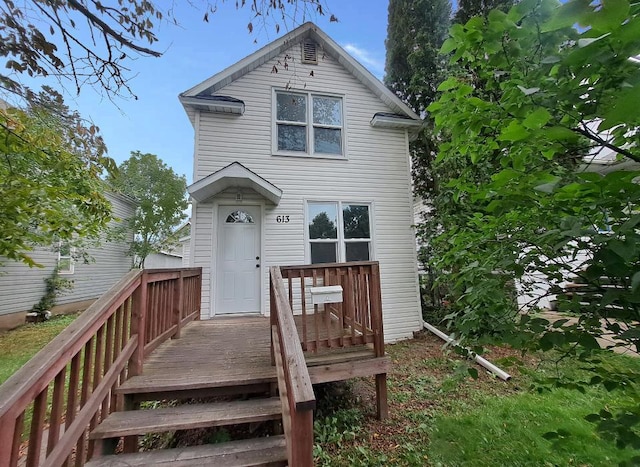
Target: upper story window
(308, 123)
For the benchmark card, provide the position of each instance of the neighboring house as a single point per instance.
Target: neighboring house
(163, 260)
(21, 287)
(301, 156)
(602, 161)
(175, 257)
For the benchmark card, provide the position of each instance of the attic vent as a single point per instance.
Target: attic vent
(310, 52)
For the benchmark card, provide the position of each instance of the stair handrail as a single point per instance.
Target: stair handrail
(83, 366)
(294, 383)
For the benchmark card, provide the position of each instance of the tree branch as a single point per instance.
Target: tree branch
(606, 144)
(110, 31)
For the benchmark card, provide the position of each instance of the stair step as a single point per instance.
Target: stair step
(174, 381)
(252, 452)
(188, 416)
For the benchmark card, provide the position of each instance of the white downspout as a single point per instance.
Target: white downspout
(503, 375)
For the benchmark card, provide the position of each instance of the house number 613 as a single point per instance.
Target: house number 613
(282, 219)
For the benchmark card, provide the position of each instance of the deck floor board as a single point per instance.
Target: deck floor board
(222, 352)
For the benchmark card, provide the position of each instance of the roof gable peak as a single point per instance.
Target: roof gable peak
(307, 31)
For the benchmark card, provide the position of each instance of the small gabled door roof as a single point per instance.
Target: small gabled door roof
(234, 175)
(308, 30)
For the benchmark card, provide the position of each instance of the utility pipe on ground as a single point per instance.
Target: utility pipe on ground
(503, 375)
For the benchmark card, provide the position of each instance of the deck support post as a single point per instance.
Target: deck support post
(138, 325)
(381, 396)
(130, 444)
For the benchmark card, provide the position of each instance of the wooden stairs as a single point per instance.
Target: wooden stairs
(247, 407)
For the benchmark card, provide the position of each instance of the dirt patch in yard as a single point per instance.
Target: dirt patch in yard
(426, 379)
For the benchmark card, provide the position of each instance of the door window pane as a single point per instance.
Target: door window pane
(356, 221)
(327, 140)
(291, 107)
(239, 217)
(327, 111)
(292, 138)
(323, 220)
(356, 251)
(324, 253)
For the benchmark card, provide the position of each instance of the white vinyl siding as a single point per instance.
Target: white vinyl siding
(374, 170)
(21, 286)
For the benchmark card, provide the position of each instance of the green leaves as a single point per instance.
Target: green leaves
(50, 186)
(161, 194)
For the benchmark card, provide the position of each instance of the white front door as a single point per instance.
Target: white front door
(238, 260)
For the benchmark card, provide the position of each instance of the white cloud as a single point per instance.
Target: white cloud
(368, 59)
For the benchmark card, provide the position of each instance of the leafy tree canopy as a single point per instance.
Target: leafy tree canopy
(536, 99)
(50, 187)
(161, 194)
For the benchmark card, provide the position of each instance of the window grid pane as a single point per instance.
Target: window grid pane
(292, 138)
(324, 252)
(327, 140)
(291, 108)
(356, 251)
(327, 111)
(323, 220)
(355, 219)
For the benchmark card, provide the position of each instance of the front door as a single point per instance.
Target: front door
(238, 258)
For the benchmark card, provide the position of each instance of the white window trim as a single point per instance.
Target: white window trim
(71, 269)
(309, 125)
(340, 228)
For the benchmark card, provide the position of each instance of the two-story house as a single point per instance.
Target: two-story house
(301, 157)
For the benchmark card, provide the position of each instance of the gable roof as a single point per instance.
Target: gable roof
(235, 175)
(308, 30)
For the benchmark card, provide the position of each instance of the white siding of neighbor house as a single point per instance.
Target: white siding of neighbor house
(186, 252)
(21, 287)
(375, 170)
(163, 261)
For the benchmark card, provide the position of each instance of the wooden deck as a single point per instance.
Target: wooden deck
(80, 397)
(218, 353)
(232, 353)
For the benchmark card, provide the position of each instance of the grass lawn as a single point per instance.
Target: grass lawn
(440, 417)
(19, 345)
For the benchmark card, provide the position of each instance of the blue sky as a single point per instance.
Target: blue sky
(196, 50)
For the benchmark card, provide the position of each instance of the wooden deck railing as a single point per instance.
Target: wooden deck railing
(294, 384)
(355, 321)
(63, 392)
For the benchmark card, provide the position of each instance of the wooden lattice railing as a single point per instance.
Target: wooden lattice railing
(48, 407)
(294, 384)
(357, 320)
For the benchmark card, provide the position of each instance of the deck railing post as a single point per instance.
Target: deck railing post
(378, 340)
(138, 325)
(301, 447)
(273, 321)
(7, 435)
(178, 304)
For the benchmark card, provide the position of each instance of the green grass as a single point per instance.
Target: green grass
(441, 417)
(508, 431)
(19, 345)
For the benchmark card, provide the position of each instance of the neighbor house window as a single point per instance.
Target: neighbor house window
(65, 258)
(308, 123)
(338, 232)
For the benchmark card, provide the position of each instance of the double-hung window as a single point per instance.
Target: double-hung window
(338, 232)
(65, 258)
(308, 124)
